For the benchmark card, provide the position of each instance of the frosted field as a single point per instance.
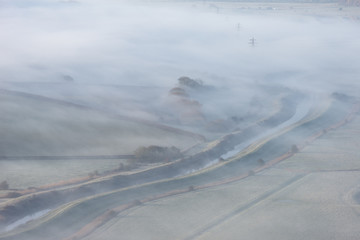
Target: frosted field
(28, 128)
(33, 127)
(314, 208)
(176, 217)
(295, 199)
(335, 150)
(22, 174)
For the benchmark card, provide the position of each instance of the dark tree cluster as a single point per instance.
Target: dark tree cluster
(342, 97)
(153, 154)
(191, 83)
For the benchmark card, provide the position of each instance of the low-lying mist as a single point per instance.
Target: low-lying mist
(92, 81)
(114, 42)
(125, 57)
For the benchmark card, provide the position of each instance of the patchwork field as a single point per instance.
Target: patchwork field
(308, 196)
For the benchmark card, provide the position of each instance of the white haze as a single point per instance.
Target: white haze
(107, 47)
(114, 42)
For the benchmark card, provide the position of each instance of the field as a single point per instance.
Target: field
(22, 174)
(309, 195)
(43, 123)
(261, 99)
(28, 127)
(31, 126)
(314, 207)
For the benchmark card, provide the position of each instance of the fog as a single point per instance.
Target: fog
(98, 79)
(114, 42)
(121, 43)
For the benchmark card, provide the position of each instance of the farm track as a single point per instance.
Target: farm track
(110, 200)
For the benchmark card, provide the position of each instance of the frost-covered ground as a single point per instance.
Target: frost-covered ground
(309, 195)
